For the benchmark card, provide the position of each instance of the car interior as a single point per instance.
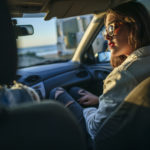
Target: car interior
(44, 125)
(83, 69)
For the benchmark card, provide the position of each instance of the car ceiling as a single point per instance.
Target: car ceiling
(60, 8)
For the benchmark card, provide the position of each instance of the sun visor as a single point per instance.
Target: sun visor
(63, 9)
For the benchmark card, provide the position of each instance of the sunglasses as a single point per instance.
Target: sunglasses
(112, 29)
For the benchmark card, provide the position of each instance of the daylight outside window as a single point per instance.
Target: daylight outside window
(53, 41)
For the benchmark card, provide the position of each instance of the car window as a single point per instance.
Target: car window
(100, 48)
(53, 41)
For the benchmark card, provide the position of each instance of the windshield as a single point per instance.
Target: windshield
(53, 41)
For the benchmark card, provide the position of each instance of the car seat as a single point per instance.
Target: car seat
(128, 127)
(46, 125)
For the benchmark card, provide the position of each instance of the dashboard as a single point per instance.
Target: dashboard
(43, 78)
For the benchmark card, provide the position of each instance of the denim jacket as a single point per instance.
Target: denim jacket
(117, 86)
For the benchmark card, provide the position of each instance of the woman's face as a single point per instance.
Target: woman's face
(118, 39)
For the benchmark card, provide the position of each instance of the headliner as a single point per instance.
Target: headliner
(61, 8)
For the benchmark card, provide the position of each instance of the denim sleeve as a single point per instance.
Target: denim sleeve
(117, 88)
(94, 117)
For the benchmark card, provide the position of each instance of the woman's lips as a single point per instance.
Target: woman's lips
(111, 44)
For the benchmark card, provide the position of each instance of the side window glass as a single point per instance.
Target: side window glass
(70, 32)
(51, 41)
(100, 48)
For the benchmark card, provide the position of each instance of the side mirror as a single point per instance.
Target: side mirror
(104, 56)
(24, 30)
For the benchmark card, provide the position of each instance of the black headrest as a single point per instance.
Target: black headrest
(8, 49)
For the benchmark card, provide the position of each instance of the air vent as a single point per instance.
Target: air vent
(32, 79)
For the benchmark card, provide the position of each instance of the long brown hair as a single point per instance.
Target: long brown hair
(116, 61)
(136, 16)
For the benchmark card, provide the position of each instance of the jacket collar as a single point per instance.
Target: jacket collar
(140, 52)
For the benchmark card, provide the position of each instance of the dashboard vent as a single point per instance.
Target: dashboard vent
(32, 79)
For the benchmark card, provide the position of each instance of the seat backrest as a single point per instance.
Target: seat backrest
(128, 127)
(45, 126)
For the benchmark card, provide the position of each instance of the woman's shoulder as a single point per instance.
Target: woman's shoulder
(133, 61)
(120, 75)
(136, 66)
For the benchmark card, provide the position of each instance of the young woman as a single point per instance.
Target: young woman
(128, 35)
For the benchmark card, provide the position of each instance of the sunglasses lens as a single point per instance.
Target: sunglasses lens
(110, 30)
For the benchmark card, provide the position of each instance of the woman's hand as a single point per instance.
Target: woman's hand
(88, 99)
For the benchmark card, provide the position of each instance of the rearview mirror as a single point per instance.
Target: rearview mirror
(24, 30)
